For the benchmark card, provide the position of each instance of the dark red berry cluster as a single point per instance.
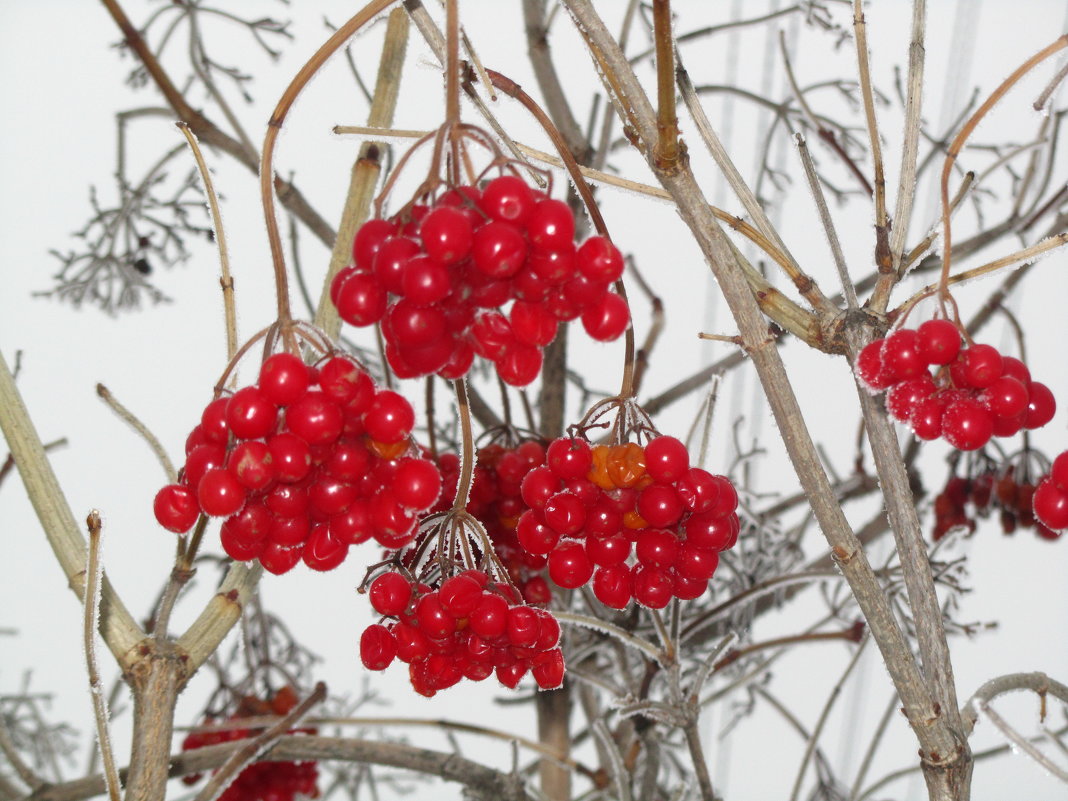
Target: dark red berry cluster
(495, 501)
(593, 508)
(974, 394)
(998, 488)
(437, 279)
(303, 464)
(467, 628)
(1051, 498)
(277, 781)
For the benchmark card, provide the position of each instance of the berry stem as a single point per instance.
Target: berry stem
(958, 143)
(274, 126)
(467, 447)
(452, 87)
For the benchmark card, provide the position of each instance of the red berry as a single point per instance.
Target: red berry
(1050, 505)
(176, 508)
(981, 366)
(278, 559)
(378, 647)
(252, 465)
(368, 240)
(417, 483)
(389, 417)
(213, 421)
(290, 456)
(870, 367)
(390, 593)
(607, 318)
(569, 566)
(1058, 472)
(569, 458)
(391, 261)
(966, 425)
(447, 235)
(653, 587)
(666, 459)
(499, 249)
(361, 300)
(507, 198)
(564, 513)
(902, 398)
(551, 225)
(549, 671)
(283, 378)
(199, 461)
(519, 365)
(315, 418)
(460, 595)
(1041, 406)
(1006, 397)
(599, 260)
(939, 341)
(323, 551)
(901, 355)
(490, 618)
(613, 585)
(425, 281)
(659, 505)
(219, 493)
(250, 415)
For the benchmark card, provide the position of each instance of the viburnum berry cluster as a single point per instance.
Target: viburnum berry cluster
(496, 502)
(438, 277)
(303, 464)
(639, 521)
(278, 781)
(467, 627)
(974, 393)
(1051, 497)
(1006, 487)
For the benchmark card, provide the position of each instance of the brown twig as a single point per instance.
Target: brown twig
(93, 571)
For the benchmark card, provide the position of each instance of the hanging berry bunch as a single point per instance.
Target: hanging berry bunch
(973, 394)
(478, 269)
(279, 781)
(1005, 486)
(463, 627)
(640, 521)
(303, 464)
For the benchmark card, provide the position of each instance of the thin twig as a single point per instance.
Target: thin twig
(226, 279)
(128, 417)
(91, 618)
(826, 221)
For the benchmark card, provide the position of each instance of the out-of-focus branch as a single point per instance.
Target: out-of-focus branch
(209, 133)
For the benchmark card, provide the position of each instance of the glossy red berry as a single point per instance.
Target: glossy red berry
(1051, 505)
(389, 418)
(176, 508)
(283, 378)
(219, 493)
(938, 341)
(250, 414)
(607, 318)
(378, 647)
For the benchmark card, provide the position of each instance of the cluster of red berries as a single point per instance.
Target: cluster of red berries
(277, 781)
(994, 488)
(303, 464)
(466, 628)
(437, 279)
(974, 394)
(591, 507)
(495, 501)
(1051, 497)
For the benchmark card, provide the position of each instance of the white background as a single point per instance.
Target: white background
(63, 86)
